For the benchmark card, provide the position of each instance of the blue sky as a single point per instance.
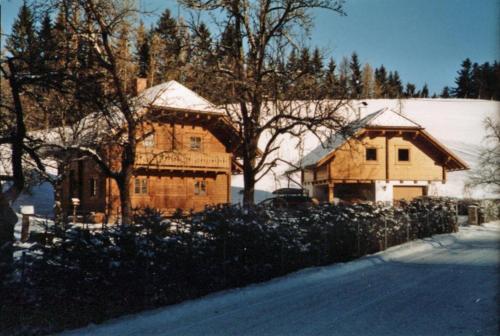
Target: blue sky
(424, 40)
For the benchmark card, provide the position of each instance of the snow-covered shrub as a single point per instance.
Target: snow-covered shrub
(74, 276)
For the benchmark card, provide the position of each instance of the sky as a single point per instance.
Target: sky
(424, 40)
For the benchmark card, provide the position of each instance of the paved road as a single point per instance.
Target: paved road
(447, 285)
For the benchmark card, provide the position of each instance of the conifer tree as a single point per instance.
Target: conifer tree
(331, 79)
(305, 64)
(355, 80)
(47, 43)
(317, 64)
(463, 81)
(142, 50)
(445, 93)
(425, 91)
(396, 85)
(380, 82)
(410, 91)
(22, 44)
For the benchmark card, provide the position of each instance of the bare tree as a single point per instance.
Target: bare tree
(113, 128)
(17, 146)
(487, 173)
(259, 34)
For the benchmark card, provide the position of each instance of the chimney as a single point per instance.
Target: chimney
(362, 109)
(140, 85)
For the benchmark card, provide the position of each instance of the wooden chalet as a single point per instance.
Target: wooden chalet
(384, 157)
(185, 163)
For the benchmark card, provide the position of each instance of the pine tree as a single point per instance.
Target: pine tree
(305, 64)
(410, 91)
(463, 81)
(368, 81)
(355, 80)
(317, 64)
(381, 82)
(445, 93)
(292, 63)
(168, 46)
(142, 50)
(396, 85)
(47, 43)
(425, 91)
(331, 79)
(22, 43)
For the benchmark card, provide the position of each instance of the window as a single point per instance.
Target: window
(149, 141)
(403, 154)
(140, 186)
(371, 154)
(93, 187)
(195, 143)
(200, 188)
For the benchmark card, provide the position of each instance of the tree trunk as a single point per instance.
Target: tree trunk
(8, 220)
(249, 187)
(249, 173)
(125, 202)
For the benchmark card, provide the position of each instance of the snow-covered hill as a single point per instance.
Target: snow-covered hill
(457, 123)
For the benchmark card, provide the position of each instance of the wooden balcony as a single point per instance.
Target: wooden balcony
(185, 160)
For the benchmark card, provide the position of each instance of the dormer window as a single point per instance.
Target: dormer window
(371, 154)
(403, 154)
(149, 141)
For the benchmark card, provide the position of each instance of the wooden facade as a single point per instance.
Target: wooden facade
(185, 163)
(405, 159)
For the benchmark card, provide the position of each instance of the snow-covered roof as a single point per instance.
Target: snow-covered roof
(386, 118)
(175, 96)
(382, 118)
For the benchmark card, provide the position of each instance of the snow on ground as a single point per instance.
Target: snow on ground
(444, 285)
(457, 123)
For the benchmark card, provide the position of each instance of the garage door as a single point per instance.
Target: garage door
(407, 193)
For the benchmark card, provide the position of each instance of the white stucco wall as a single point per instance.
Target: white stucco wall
(384, 190)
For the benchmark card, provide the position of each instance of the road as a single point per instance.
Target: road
(445, 285)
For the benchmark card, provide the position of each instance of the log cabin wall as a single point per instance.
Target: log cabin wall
(84, 181)
(178, 166)
(351, 162)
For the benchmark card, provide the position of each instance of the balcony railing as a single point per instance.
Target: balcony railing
(183, 160)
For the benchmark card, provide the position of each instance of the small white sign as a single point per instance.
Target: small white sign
(75, 201)
(27, 210)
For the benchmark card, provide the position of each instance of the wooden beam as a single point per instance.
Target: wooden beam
(387, 158)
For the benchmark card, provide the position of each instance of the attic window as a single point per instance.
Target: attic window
(195, 143)
(371, 154)
(149, 141)
(403, 154)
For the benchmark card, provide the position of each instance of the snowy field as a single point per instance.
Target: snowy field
(444, 285)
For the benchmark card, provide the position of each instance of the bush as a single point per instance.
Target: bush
(80, 276)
